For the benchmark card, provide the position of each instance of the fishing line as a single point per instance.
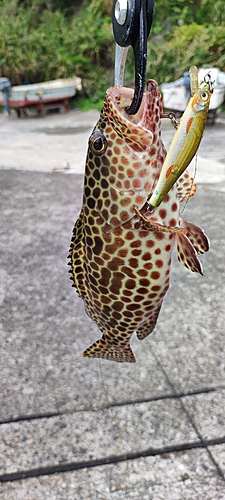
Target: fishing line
(114, 419)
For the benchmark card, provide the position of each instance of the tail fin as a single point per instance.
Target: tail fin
(102, 349)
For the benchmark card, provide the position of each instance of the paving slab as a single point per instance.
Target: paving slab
(187, 475)
(88, 436)
(218, 453)
(54, 142)
(208, 413)
(58, 142)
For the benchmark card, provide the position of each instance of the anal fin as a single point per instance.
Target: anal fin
(102, 349)
(148, 326)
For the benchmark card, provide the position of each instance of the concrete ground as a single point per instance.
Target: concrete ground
(159, 433)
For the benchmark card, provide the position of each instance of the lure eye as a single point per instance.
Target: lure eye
(204, 96)
(98, 143)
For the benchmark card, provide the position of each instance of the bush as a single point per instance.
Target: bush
(47, 39)
(38, 46)
(193, 44)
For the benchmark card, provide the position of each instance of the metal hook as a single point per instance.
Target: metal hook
(132, 21)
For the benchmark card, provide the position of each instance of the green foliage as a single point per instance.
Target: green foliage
(38, 46)
(47, 39)
(171, 13)
(189, 45)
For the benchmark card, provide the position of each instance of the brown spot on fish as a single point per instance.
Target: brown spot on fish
(138, 298)
(148, 265)
(172, 222)
(114, 209)
(142, 272)
(155, 275)
(130, 284)
(96, 174)
(125, 202)
(160, 236)
(162, 213)
(174, 207)
(123, 251)
(159, 263)
(127, 184)
(150, 243)
(116, 282)
(123, 215)
(128, 271)
(144, 282)
(105, 277)
(125, 160)
(130, 173)
(133, 262)
(105, 299)
(136, 183)
(139, 200)
(115, 264)
(136, 252)
(104, 184)
(98, 245)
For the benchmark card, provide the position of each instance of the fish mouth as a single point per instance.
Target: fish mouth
(146, 121)
(133, 129)
(121, 98)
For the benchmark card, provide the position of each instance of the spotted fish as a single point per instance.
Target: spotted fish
(120, 254)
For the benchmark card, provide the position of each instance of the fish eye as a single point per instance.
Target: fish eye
(204, 96)
(98, 143)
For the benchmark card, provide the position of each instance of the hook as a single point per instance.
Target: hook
(132, 21)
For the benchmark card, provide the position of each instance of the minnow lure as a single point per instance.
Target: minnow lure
(120, 255)
(186, 139)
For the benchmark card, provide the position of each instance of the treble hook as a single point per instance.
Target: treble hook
(132, 21)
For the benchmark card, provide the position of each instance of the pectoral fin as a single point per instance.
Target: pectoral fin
(187, 254)
(196, 236)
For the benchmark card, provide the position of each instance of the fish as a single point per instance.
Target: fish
(186, 140)
(120, 254)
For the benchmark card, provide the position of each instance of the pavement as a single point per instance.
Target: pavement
(153, 430)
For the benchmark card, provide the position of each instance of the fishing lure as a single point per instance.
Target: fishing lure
(120, 255)
(186, 139)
